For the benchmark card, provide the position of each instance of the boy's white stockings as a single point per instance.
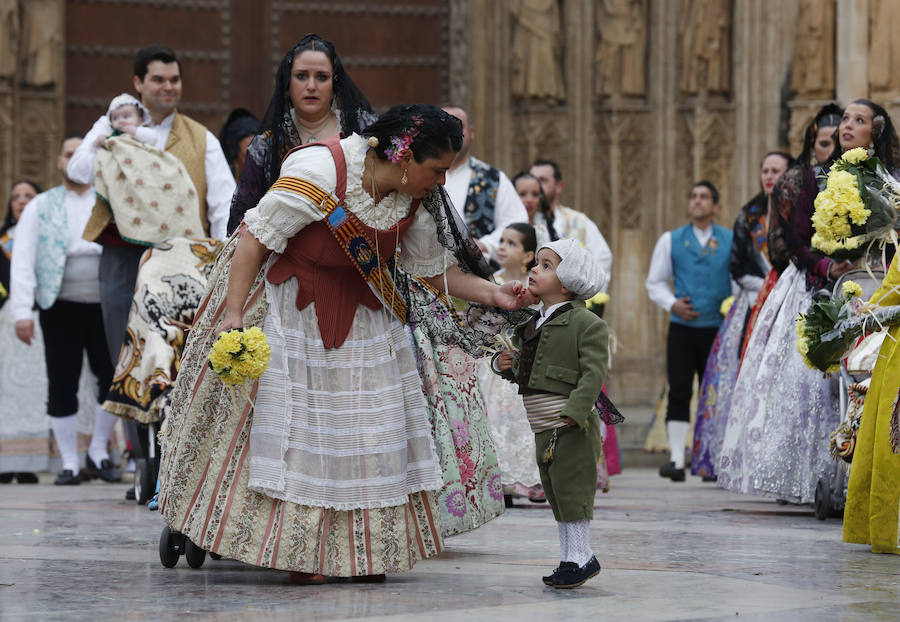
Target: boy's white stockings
(575, 542)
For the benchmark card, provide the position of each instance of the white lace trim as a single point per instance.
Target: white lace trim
(390, 210)
(262, 231)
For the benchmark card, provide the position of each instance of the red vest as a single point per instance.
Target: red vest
(325, 274)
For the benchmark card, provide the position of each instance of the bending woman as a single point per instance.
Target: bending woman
(335, 472)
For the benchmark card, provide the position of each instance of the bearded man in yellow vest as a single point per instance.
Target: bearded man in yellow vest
(157, 80)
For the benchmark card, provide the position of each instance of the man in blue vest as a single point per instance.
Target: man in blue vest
(695, 257)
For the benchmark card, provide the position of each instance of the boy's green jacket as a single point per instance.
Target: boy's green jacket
(572, 359)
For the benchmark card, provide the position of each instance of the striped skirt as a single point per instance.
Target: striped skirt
(204, 477)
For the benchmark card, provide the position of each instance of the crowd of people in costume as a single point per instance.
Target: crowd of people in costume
(767, 418)
(430, 358)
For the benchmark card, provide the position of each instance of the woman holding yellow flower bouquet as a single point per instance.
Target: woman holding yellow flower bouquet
(776, 439)
(328, 466)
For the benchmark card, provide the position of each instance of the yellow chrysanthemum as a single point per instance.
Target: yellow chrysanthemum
(855, 156)
(229, 341)
(725, 307)
(600, 298)
(852, 289)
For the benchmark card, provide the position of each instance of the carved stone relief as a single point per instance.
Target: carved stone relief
(813, 64)
(537, 50)
(705, 30)
(884, 49)
(42, 34)
(9, 37)
(622, 47)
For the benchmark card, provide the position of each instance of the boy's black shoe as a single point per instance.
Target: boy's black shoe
(573, 577)
(67, 478)
(562, 566)
(669, 470)
(26, 478)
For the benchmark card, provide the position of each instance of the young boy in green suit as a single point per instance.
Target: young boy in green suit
(560, 365)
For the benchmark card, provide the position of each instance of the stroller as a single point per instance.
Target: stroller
(853, 381)
(170, 286)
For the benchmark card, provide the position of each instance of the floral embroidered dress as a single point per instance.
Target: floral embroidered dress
(781, 412)
(333, 469)
(749, 266)
(446, 353)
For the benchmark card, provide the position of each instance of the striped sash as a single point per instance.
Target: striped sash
(349, 233)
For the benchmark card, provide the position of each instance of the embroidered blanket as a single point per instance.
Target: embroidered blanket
(171, 283)
(147, 192)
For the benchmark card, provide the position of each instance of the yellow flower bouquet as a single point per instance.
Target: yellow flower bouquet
(831, 326)
(858, 205)
(239, 355)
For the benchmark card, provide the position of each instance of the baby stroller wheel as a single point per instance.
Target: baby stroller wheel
(214, 555)
(170, 547)
(194, 555)
(823, 499)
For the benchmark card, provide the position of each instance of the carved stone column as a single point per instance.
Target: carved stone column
(852, 50)
(31, 92)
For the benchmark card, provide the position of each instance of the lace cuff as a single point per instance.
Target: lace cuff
(427, 267)
(267, 236)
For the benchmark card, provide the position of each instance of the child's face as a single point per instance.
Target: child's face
(124, 115)
(511, 254)
(543, 282)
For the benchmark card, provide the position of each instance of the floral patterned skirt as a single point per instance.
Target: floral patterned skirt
(777, 434)
(718, 384)
(472, 493)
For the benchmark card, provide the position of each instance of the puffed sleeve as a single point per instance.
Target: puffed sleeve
(280, 214)
(420, 251)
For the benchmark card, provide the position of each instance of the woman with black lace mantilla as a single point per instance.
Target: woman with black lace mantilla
(314, 99)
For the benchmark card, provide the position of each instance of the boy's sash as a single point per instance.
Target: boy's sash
(349, 233)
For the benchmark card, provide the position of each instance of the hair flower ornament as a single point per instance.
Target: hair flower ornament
(401, 143)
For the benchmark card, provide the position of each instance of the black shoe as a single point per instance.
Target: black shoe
(26, 478)
(573, 577)
(67, 478)
(710, 478)
(548, 580)
(369, 578)
(129, 494)
(669, 470)
(6, 478)
(106, 471)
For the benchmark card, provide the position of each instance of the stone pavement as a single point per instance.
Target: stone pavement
(669, 552)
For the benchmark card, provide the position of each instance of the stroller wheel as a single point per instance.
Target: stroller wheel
(194, 555)
(823, 499)
(169, 550)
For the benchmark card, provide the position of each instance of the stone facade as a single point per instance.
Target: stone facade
(635, 98)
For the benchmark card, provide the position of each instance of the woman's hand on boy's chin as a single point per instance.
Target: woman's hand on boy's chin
(513, 295)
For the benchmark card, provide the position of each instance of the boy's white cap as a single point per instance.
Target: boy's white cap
(127, 100)
(577, 272)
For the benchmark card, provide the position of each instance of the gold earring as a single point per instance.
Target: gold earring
(403, 179)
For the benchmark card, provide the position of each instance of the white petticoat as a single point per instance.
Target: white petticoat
(343, 428)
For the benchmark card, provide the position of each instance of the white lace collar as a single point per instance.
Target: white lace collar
(390, 210)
